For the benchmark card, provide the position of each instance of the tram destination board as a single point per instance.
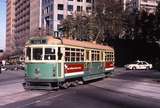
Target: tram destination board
(39, 41)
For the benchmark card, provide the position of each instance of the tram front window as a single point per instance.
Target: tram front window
(28, 53)
(37, 53)
(49, 54)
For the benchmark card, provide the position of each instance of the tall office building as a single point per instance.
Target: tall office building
(10, 21)
(22, 22)
(35, 17)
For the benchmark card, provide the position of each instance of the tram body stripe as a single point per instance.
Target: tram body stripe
(108, 69)
(75, 73)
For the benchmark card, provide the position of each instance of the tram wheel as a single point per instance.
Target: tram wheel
(65, 85)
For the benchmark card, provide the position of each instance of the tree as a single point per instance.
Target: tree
(104, 22)
(157, 23)
(79, 26)
(109, 17)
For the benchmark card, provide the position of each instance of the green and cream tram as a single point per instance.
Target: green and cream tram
(52, 63)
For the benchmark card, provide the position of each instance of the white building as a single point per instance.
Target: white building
(147, 5)
(53, 11)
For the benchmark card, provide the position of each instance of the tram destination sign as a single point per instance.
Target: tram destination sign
(39, 41)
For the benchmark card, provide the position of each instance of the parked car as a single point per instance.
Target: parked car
(139, 65)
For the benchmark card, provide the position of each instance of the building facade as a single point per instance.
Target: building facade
(22, 22)
(10, 22)
(35, 17)
(53, 11)
(1, 54)
(148, 5)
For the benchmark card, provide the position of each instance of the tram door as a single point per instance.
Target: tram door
(89, 65)
(88, 62)
(60, 63)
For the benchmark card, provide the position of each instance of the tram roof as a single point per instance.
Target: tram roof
(70, 42)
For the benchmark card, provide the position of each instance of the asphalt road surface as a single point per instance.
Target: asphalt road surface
(9, 76)
(125, 89)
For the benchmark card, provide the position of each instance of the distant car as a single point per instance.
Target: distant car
(139, 65)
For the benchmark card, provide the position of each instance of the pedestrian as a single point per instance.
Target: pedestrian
(3, 62)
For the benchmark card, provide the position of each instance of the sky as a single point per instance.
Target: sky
(2, 24)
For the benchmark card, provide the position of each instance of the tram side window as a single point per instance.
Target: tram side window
(109, 56)
(49, 54)
(87, 55)
(37, 53)
(67, 54)
(73, 54)
(78, 54)
(95, 55)
(102, 55)
(28, 53)
(82, 55)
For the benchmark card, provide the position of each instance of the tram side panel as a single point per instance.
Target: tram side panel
(93, 70)
(73, 70)
(43, 72)
(86, 71)
(109, 67)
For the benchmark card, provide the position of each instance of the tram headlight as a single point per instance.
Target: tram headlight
(37, 73)
(54, 74)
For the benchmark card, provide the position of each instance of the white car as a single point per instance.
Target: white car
(139, 65)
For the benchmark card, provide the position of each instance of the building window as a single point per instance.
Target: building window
(70, 7)
(88, 1)
(145, 0)
(79, 8)
(60, 7)
(79, 0)
(60, 17)
(45, 2)
(88, 9)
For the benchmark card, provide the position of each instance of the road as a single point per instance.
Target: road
(125, 89)
(8, 76)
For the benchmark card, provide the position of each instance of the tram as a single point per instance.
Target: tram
(52, 63)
